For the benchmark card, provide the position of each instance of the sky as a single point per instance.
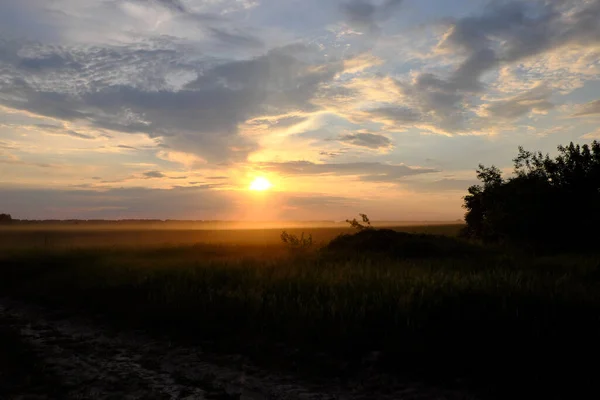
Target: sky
(114, 109)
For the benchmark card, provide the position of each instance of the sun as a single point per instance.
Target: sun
(260, 184)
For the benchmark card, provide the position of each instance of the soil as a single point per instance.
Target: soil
(80, 359)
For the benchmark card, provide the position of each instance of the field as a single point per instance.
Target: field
(135, 235)
(502, 323)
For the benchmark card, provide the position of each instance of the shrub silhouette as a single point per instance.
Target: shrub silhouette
(389, 243)
(5, 219)
(549, 203)
(358, 226)
(293, 242)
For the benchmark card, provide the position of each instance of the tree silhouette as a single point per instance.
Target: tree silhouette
(5, 219)
(549, 202)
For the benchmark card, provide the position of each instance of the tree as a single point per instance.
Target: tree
(549, 202)
(5, 219)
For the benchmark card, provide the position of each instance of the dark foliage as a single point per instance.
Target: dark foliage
(5, 219)
(366, 223)
(295, 242)
(549, 203)
(390, 243)
(516, 326)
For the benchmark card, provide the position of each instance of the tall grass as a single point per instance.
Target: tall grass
(434, 317)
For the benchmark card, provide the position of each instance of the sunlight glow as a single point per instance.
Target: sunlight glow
(260, 184)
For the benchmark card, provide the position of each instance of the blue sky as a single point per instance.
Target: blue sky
(171, 108)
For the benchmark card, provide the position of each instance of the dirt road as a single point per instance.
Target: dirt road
(95, 362)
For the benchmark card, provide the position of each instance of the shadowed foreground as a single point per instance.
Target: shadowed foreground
(496, 324)
(90, 361)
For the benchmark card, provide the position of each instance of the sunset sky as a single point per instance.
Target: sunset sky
(172, 108)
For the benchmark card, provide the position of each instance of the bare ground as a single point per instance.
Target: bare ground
(89, 361)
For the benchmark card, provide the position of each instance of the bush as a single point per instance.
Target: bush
(366, 223)
(389, 243)
(295, 243)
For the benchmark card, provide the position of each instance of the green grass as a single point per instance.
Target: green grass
(499, 320)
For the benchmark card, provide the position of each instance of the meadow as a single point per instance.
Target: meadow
(503, 321)
(91, 235)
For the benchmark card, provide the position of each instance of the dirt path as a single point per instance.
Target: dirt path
(93, 362)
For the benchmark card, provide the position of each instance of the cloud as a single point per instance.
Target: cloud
(332, 154)
(440, 185)
(60, 130)
(592, 135)
(236, 39)
(504, 34)
(12, 160)
(534, 100)
(178, 8)
(315, 201)
(365, 170)
(368, 140)
(154, 174)
(396, 115)
(202, 118)
(174, 5)
(589, 109)
(48, 62)
(512, 31)
(190, 160)
(365, 16)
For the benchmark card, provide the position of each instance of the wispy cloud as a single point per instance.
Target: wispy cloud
(368, 140)
(589, 109)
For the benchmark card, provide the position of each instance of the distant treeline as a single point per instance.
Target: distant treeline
(146, 221)
(206, 223)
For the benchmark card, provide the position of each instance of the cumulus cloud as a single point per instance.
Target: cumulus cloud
(504, 34)
(368, 140)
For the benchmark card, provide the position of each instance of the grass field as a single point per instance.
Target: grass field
(71, 236)
(504, 321)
